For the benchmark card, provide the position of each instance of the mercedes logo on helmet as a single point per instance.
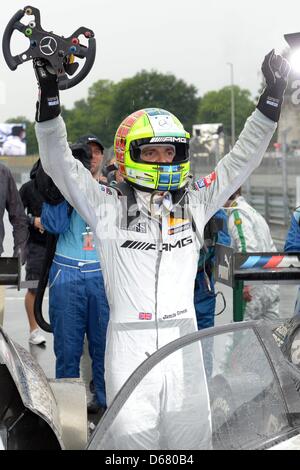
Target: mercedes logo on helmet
(48, 45)
(163, 122)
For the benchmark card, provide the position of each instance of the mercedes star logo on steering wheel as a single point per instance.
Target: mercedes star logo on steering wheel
(48, 45)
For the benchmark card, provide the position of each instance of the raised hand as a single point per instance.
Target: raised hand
(276, 70)
(48, 104)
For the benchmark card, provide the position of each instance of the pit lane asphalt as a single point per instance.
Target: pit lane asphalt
(16, 324)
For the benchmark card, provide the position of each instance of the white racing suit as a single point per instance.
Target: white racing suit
(149, 269)
(250, 233)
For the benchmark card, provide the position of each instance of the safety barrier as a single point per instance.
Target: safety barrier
(269, 202)
(235, 269)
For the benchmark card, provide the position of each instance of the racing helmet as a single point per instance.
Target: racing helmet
(156, 127)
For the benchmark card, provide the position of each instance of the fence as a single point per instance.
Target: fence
(269, 202)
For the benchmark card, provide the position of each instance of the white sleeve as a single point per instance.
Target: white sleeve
(74, 181)
(233, 170)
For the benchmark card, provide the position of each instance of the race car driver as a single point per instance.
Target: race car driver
(149, 242)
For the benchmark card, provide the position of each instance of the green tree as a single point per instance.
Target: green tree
(93, 114)
(154, 89)
(32, 145)
(215, 106)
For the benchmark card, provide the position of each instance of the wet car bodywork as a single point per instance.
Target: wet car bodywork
(35, 412)
(253, 385)
(253, 382)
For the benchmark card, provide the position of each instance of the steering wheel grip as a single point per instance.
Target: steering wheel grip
(10, 60)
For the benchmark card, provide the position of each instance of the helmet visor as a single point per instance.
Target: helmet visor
(144, 151)
(158, 153)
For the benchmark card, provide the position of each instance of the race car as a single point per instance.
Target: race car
(253, 383)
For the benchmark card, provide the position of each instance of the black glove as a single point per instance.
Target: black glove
(276, 70)
(48, 104)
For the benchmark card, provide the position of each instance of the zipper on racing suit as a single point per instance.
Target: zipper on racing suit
(158, 263)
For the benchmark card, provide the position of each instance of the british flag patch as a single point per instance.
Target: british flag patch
(145, 316)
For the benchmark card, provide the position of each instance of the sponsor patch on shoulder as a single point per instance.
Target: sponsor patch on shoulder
(145, 316)
(200, 184)
(206, 182)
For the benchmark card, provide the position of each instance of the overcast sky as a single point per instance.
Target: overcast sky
(193, 39)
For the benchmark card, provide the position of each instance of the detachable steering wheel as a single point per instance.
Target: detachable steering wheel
(59, 51)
